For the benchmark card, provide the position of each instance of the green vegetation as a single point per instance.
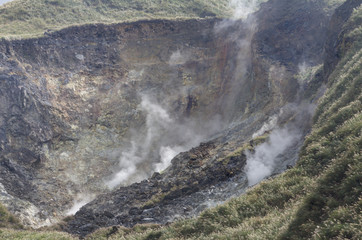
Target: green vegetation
(29, 18)
(11, 229)
(318, 199)
(10, 234)
(7, 220)
(330, 5)
(240, 152)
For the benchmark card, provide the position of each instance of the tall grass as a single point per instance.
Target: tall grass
(7, 220)
(11, 234)
(27, 18)
(31, 18)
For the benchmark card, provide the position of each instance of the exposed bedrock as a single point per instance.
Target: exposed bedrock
(75, 102)
(260, 94)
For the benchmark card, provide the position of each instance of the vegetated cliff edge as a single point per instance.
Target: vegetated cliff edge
(30, 18)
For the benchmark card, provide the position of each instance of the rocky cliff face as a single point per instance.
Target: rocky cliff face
(215, 170)
(81, 105)
(69, 100)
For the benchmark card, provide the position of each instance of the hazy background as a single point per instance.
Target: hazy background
(4, 1)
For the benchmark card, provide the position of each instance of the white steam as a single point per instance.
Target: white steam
(261, 163)
(80, 201)
(153, 147)
(157, 120)
(268, 157)
(178, 57)
(167, 154)
(242, 8)
(127, 163)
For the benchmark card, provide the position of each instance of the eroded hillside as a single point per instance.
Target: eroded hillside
(81, 101)
(202, 109)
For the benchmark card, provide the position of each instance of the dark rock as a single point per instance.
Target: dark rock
(335, 37)
(135, 211)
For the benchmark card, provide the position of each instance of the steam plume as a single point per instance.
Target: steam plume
(162, 139)
(242, 8)
(80, 201)
(282, 144)
(261, 163)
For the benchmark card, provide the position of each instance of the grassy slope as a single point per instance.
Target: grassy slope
(31, 18)
(318, 199)
(7, 220)
(330, 5)
(11, 234)
(11, 229)
(28, 18)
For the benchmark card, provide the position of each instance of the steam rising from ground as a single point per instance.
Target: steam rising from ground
(167, 154)
(242, 8)
(179, 57)
(80, 201)
(261, 163)
(282, 141)
(153, 148)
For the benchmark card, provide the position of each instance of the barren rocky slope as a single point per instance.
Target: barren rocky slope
(320, 198)
(89, 108)
(215, 170)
